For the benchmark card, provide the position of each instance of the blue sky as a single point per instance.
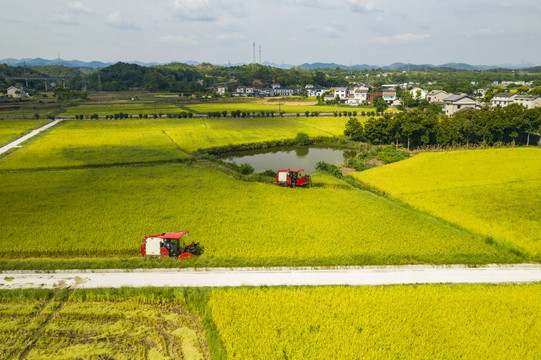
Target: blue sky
(289, 31)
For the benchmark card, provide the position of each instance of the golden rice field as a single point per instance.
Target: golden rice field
(494, 192)
(105, 212)
(384, 322)
(43, 324)
(284, 107)
(333, 322)
(12, 129)
(98, 142)
(133, 109)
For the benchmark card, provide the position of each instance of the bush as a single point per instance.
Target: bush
(391, 154)
(246, 169)
(268, 173)
(328, 168)
(302, 139)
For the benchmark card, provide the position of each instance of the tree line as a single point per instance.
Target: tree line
(417, 129)
(191, 79)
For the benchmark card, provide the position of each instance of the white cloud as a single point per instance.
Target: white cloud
(65, 19)
(362, 6)
(78, 6)
(195, 10)
(333, 32)
(401, 38)
(118, 21)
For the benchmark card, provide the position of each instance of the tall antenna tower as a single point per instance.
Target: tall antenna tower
(254, 53)
(100, 89)
(260, 54)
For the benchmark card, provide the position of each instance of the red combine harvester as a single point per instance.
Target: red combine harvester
(292, 177)
(168, 245)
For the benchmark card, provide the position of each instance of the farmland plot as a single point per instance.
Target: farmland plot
(494, 192)
(389, 322)
(105, 212)
(99, 142)
(102, 142)
(93, 324)
(11, 129)
(258, 107)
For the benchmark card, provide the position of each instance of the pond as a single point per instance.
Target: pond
(289, 157)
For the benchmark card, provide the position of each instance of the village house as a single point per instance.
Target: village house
(528, 101)
(16, 92)
(503, 99)
(280, 91)
(455, 103)
(317, 91)
(373, 95)
(221, 89)
(341, 92)
(389, 95)
(437, 96)
(357, 95)
(244, 91)
(481, 92)
(418, 93)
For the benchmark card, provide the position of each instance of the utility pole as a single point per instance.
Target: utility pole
(253, 62)
(100, 89)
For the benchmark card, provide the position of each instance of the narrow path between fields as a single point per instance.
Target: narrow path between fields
(28, 136)
(222, 277)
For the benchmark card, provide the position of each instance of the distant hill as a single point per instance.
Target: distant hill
(318, 65)
(41, 62)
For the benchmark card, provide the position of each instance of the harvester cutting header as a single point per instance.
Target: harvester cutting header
(168, 245)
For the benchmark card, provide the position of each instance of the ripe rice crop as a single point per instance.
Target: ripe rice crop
(494, 192)
(386, 322)
(12, 129)
(220, 132)
(105, 213)
(130, 109)
(258, 107)
(99, 142)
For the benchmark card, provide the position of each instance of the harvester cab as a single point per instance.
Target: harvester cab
(292, 177)
(168, 245)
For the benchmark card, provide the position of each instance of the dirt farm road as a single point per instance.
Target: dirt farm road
(223, 277)
(31, 134)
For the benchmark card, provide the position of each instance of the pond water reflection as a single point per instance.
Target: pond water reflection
(290, 157)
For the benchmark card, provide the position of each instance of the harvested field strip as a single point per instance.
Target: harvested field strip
(85, 324)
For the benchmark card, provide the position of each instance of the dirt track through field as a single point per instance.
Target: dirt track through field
(223, 277)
